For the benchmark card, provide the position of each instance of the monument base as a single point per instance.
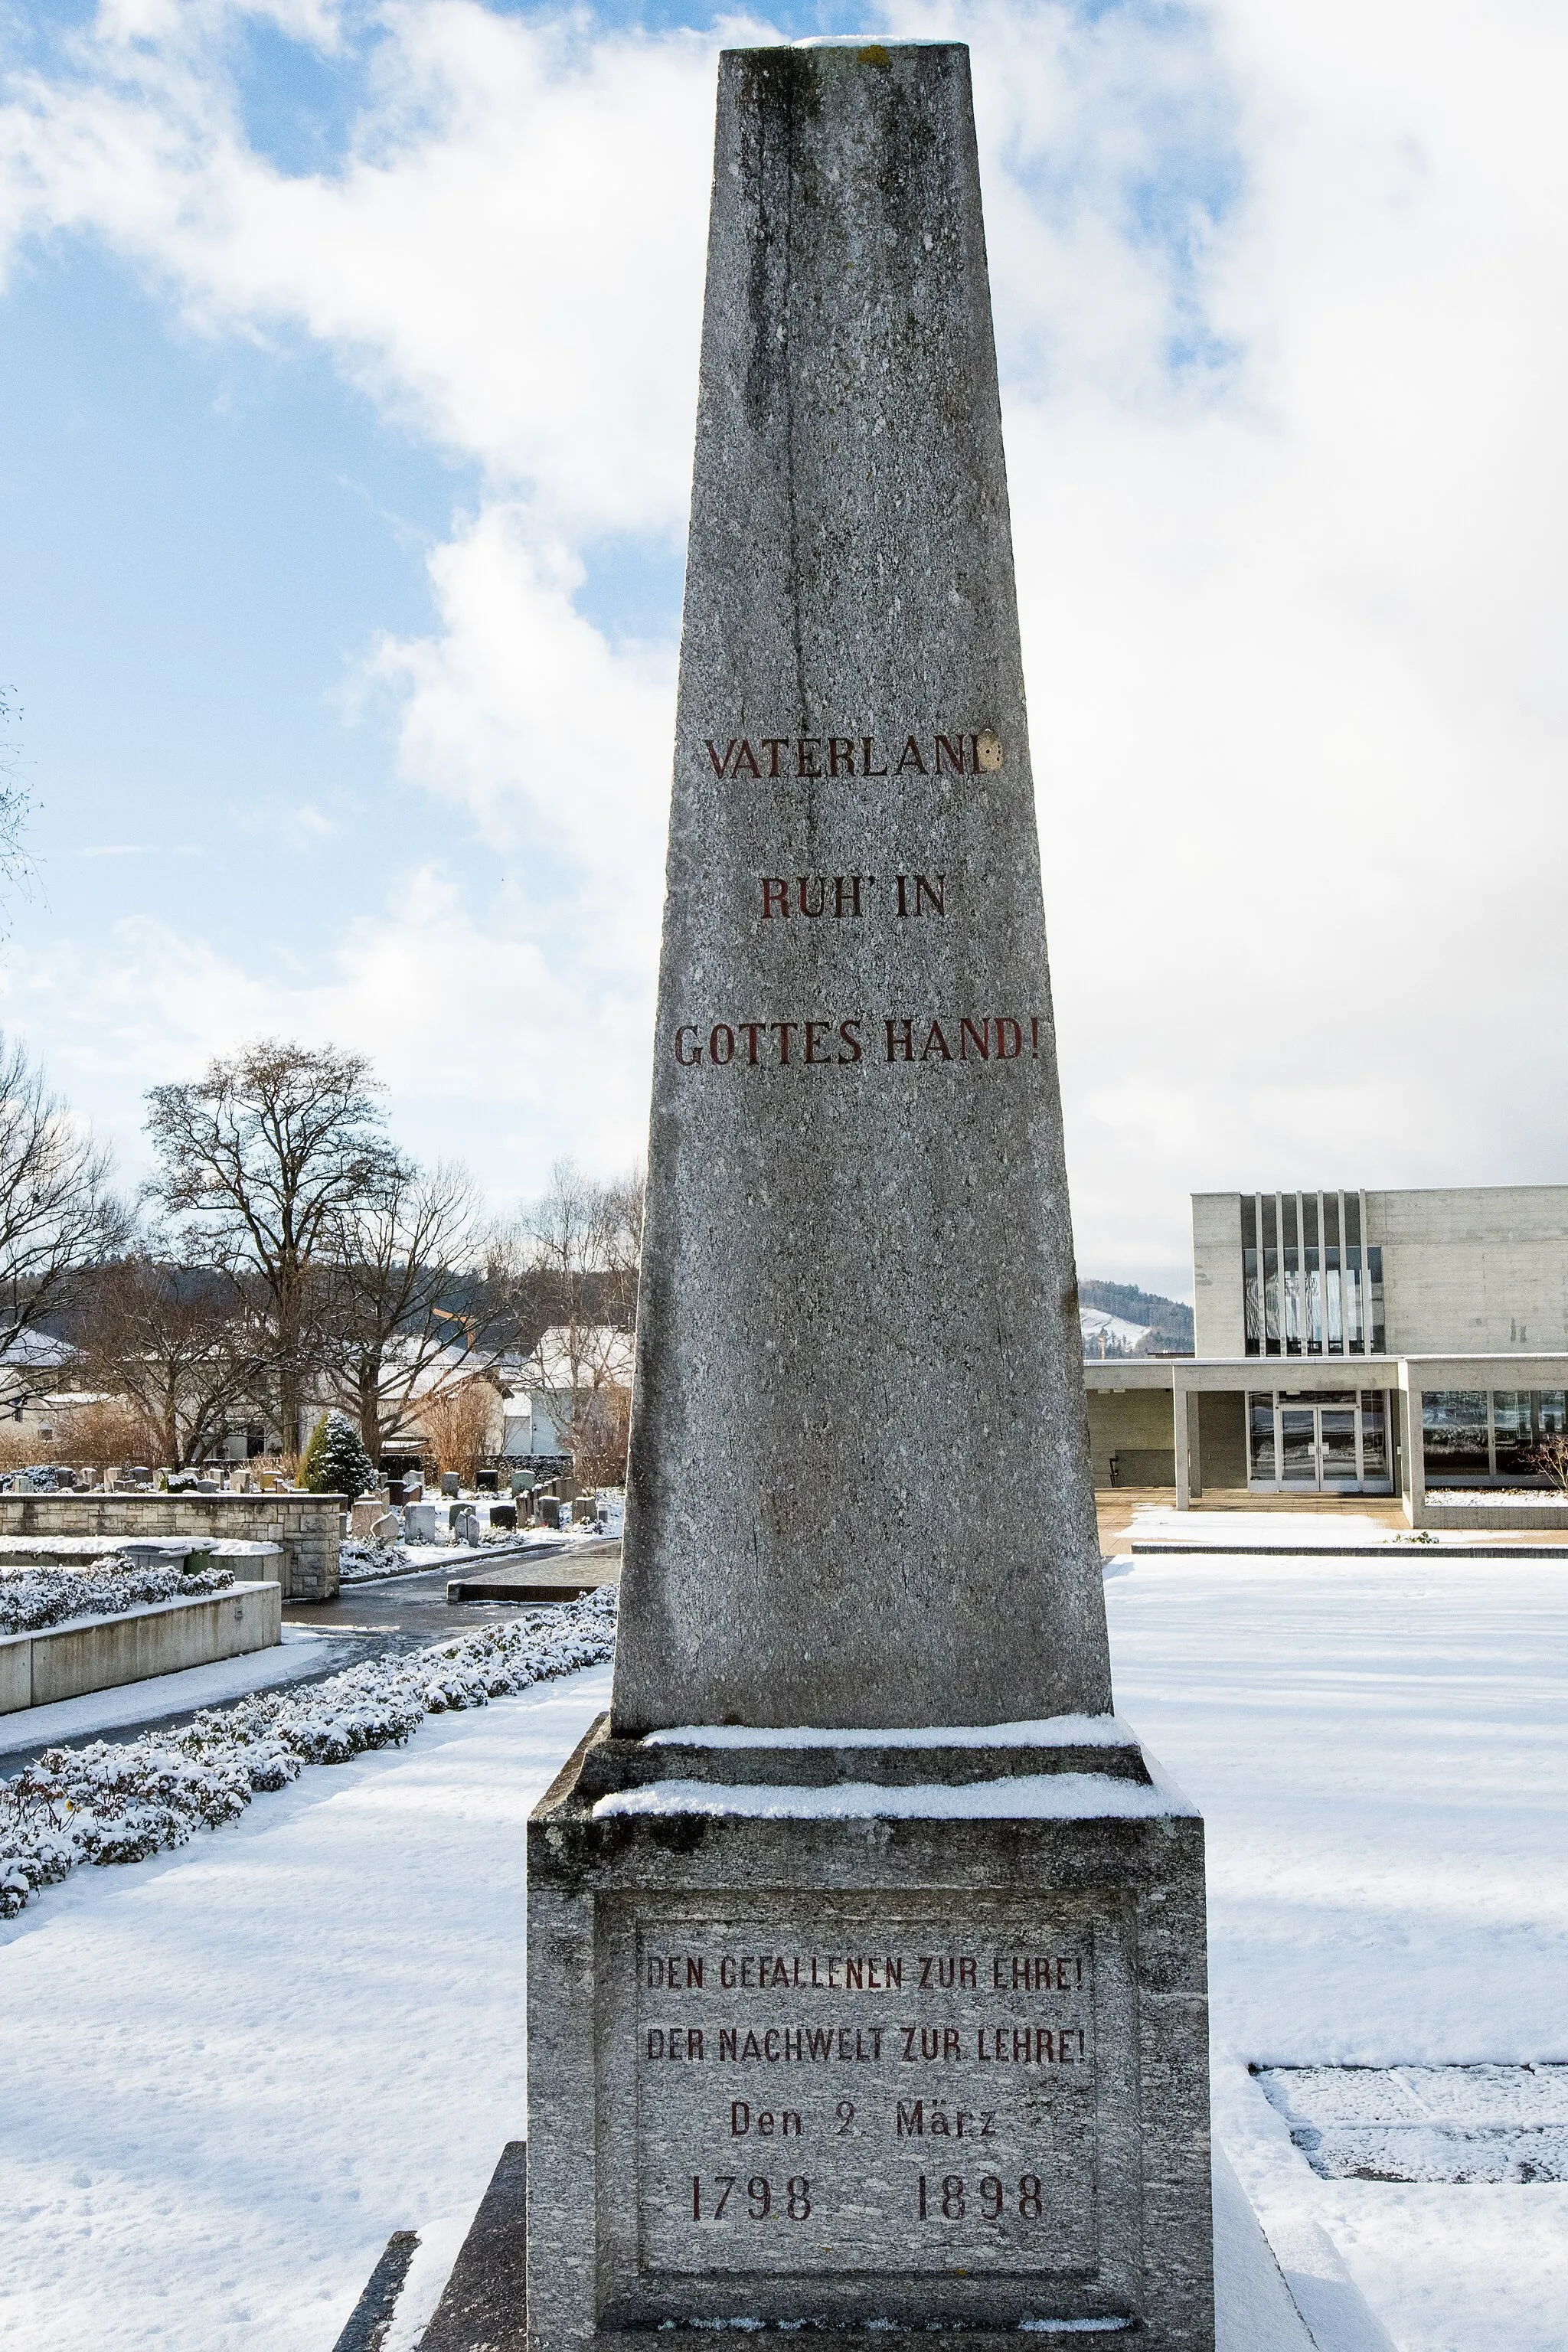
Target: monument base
(868, 2033)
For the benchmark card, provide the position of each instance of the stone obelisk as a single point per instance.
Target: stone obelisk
(866, 1966)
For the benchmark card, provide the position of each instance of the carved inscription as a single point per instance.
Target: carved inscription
(887, 2099)
(841, 895)
(822, 1043)
(812, 758)
(841, 1038)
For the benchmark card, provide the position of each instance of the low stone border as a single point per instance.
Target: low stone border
(93, 1654)
(308, 1526)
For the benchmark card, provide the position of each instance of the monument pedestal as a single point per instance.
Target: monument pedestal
(868, 2032)
(856, 2037)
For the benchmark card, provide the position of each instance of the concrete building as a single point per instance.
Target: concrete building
(1330, 1326)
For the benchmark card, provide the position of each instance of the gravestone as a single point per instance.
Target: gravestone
(867, 1979)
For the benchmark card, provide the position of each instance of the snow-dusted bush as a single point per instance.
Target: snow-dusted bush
(103, 1803)
(361, 1560)
(32, 1597)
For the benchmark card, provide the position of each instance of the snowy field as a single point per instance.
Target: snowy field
(232, 2071)
(1381, 1752)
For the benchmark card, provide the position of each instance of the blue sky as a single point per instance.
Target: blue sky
(202, 537)
(347, 359)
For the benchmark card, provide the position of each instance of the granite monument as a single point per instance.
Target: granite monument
(867, 1985)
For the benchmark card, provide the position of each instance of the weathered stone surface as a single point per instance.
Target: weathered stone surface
(859, 1485)
(872, 1997)
(833, 2058)
(482, 2305)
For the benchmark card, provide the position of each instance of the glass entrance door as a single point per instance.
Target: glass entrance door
(1298, 1445)
(1332, 1444)
(1336, 1447)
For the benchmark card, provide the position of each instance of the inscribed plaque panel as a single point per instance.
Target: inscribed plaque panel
(822, 2094)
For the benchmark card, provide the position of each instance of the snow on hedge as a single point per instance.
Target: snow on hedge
(32, 1597)
(104, 1803)
(361, 1560)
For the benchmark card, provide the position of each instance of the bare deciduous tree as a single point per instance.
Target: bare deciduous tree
(104, 1431)
(584, 1238)
(457, 1422)
(16, 804)
(392, 1304)
(1552, 1460)
(579, 1245)
(59, 1218)
(599, 1431)
(179, 1344)
(268, 1155)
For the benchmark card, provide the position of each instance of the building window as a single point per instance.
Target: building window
(1260, 1426)
(1252, 1301)
(1374, 1284)
(1309, 1284)
(1454, 1439)
(1514, 1437)
(1330, 1442)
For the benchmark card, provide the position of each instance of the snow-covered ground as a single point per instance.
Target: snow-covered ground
(1381, 1751)
(231, 2071)
(367, 1563)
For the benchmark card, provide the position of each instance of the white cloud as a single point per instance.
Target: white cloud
(487, 1039)
(510, 259)
(1280, 299)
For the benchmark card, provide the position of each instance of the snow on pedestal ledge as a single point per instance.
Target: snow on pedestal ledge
(1050, 1731)
(1025, 1797)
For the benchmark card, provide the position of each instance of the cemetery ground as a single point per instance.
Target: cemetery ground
(231, 2071)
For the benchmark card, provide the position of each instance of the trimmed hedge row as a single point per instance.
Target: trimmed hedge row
(106, 1803)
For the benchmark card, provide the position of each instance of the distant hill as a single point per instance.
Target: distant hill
(1128, 1321)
